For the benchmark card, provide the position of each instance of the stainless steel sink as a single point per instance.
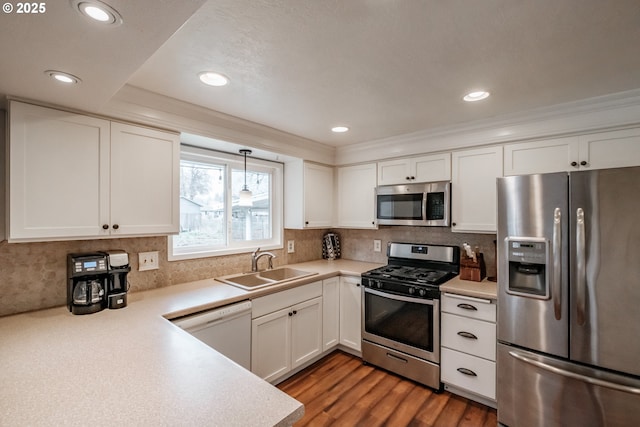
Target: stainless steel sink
(261, 279)
(284, 273)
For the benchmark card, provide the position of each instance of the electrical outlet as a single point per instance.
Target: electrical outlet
(147, 261)
(291, 248)
(377, 245)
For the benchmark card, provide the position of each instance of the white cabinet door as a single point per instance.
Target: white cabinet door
(145, 180)
(330, 313)
(435, 167)
(610, 149)
(308, 195)
(306, 331)
(473, 182)
(397, 171)
(350, 312)
(554, 155)
(59, 174)
(318, 196)
(271, 345)
(75, 176)
(356, 196)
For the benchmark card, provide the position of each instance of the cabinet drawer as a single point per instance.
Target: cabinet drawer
(279, 300)
(475, 337)
(476, 308)
(468, 372)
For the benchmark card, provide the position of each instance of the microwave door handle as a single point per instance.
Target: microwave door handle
(556, 284)
(581, 268)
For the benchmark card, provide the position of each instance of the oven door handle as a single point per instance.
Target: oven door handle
(400, 297)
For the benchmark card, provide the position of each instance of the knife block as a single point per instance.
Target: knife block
(470, 270)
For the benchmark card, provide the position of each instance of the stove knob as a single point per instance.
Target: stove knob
(412, 291)
(422, 292)
(379, 284)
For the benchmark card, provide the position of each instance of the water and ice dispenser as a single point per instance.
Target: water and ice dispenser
(528, 270)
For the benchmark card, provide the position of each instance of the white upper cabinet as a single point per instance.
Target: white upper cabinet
(436, 167)
(593, 151)
(73, 176)
(473, 189)
(612, 149)
(356, 196)
(145, 180)
(308, 195)
(553, 155)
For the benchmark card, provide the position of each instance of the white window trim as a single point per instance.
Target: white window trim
(277, 205)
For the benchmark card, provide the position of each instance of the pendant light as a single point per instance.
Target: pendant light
(245, 194)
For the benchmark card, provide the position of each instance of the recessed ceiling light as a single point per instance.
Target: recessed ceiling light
(213, 79)
(339, 129)
(476, 96)
(63, 77)
(97, 11)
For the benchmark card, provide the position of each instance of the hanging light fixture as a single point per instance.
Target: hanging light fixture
(245, 194)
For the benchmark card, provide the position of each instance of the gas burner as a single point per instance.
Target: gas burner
(426, 266)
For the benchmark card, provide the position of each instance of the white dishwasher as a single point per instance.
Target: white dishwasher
(226, 329)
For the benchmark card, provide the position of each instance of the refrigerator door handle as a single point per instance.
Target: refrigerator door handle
(581, 269)
(556, 285)
(574, 375)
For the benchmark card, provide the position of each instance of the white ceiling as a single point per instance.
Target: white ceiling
(381, 67)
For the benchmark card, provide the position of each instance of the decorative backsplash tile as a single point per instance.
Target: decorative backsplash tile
(33, 276)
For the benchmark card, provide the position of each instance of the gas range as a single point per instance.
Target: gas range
(415, 270)
(401, 310)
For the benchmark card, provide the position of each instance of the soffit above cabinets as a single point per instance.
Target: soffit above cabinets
(302, 66)
(103, 57)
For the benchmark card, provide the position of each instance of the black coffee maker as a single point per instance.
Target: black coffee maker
(118, 286)
(88, 277)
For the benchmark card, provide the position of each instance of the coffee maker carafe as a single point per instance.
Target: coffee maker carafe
(87, 282)
(117, 286)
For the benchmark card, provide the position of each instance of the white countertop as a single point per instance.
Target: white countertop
(134, 367)
(484, 289)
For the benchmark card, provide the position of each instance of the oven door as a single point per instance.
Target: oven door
(409, 325)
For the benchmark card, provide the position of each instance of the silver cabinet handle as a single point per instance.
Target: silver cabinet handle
(467, 307)
(466, 371)
(469, 335)
(574, 375)
(581, 267)
(556, 284)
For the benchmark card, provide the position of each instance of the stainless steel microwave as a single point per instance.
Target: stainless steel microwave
(425, 204)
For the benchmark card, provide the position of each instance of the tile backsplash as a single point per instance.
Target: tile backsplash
(33, 276)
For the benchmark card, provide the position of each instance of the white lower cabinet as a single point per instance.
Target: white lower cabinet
(330, 313)
(468, 353)
(286, 330)
(350, 312)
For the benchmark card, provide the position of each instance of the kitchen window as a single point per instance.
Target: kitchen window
(212, 222)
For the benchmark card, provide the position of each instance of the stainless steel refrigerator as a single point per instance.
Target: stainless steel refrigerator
(569, 299)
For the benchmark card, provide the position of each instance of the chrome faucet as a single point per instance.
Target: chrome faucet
(256, 255)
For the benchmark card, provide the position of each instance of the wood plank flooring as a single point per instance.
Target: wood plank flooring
(340, 390)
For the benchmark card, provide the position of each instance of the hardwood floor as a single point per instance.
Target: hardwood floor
(340, 390)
